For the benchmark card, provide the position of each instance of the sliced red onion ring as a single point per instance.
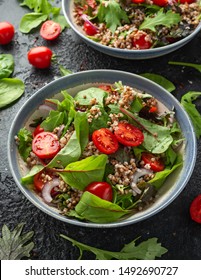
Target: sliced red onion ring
(46, 191)
(60, 130)
(85, 18)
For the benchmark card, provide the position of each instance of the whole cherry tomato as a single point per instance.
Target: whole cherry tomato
(40, 57)
(105, 141)
(129, 135)
(101, 189)
(7, 32)
(155, 162)
(50, 30)
(195, 209)
(45, 145)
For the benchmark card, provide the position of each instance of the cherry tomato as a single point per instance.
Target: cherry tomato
(45, 145)
(186, 1)
(50, 30)
(39, 181)
(195, 209)
(37, 130)
(153, 109)
(101, 189)
(89, 28)
(106, 88)
(40, 57)
(155, 162)
(7, 32)
(138, 1)
(140, 41)
(161, 3)
(105, 141)
(129, 135)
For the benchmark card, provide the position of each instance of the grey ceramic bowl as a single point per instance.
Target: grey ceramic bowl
(123, 53)
(168, 192)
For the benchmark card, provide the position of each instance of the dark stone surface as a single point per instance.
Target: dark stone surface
(173, 226)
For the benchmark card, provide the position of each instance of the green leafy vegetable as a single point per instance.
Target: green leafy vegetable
(64, 71)
(28, 179)
(187, 102)
(97, 210)
(146, 250)
(194, 65)
(84, 97)
(14, 245)
(6, 65)
(25, 140)
(10, 90)
(167, 19)
(112, 14)
(31, 21)
(162, 81)
(54, 119)
(81, 173)
(100, 121)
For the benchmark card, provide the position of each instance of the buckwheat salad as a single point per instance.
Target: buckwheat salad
(136, 24)
(102, 154)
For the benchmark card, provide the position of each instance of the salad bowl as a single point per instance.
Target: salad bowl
(77, 83)
(166, 45)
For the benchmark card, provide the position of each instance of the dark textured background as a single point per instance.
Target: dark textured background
(173, 226)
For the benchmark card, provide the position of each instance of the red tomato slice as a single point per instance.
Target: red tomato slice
(45, 145)
(155, 162)
(140, 41)
(101, 189)
(195, 209)
(105, 141)
(129, 135)
(40, 57)
(37, 130)
(7, 32)
(161, 3)
(50, 30)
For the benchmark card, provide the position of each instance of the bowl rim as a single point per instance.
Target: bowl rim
(120, 223)
(123, 52)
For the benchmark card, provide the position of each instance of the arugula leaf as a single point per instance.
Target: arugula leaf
(194, 65)
(160, 80)
(167, 19)
(81, 173)
(186, 102)
(146, 250)
(6, 65)
(31, 21)
(112, 14)
(10, 90)
(14, 245)
(84, 97)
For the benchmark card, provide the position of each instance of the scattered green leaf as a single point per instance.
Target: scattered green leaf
(64, 71)
(194, 65)
(162, 81)
(6, 65)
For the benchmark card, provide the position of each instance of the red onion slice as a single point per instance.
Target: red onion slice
(46, 191)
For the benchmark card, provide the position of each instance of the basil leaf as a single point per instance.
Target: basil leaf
(10, 90)
(84, 97)
(81, 173)
(6, 65)
(31, 21)
(98, 210)
(160, 80)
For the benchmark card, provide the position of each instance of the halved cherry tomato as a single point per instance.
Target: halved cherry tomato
(101, 189)
(129, 135)
(89, 28)
(50, 30)
(106, 88)
(39, 181)
(37, 130)
(105, 141)
(7, 32)
(45, 145)
(40, 57)
(186, 1)
(140, 41)
(195, 209)
(161, 3)
(138, 1)
(155, 162)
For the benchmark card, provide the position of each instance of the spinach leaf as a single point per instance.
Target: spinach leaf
(28, 178)
(193, 65)
(97, 210)
(39, 6)
(63, 23)
(187, 102)
(81, 173)
(84, 97)
(54, 119)
(162, 81)
(10, 90)
(6, 65)
(146, 250)
(31, 21)
(99, 122)
(25, 140)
